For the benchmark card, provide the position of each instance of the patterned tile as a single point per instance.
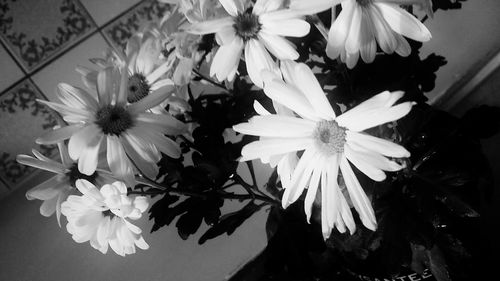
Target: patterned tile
(37, 30)
(63, 69)
(104, 10)
(9, 71)
(121, 29)
(22, 120)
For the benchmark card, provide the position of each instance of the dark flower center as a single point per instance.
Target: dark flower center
(113, 120)
(137, 88)
(247, 25)
(364, 3)
(330, 137)
(73, 174)
(108, 213)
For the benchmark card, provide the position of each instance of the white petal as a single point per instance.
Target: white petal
(153, 99)
(286, 27)
(88, 189)
(292, 98)
(383, 32)
(276, 126)
(359, 199)
(403, 48)
(313, 187)
(339, 31)
(48, 207)
(164, 144)
(80, 140)
(404, 23)
(363, 165)
(312, 7)
(353, 40)
(278, 46)
(149, 169)
(161, 123)
(59, 135)
(369, 119)
(257, 59)
(377, 145)
(260, 109)
(306, 81)
(331, 190)
(210, 26)
(372, 158)
(226, 59)
(148, 56)
(46, 190)
(105, 85)
(225, 35)
(232, 7)
(368, 45)
(117, 159)
(89, 157)
(39, 164)
(268, 147)
(264, 6)
(141, 243)
(76, 97)
(301, 176)
(69, 114)
(346, 214)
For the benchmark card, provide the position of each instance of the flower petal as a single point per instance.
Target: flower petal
(47, 189)
(211, 26)
(232, 7)
(39, 164)
(58, 135)
(268, 147)
(301, 176)
(363, 165)
(264, 6)
(286, 27)
(89, 157)
(278, 46)
(313, 7)
(359, 199)
(153, 99)
(257, 59)
(404, 23)
(292, 98)
(277, 126)
(117, 158)
(377, 145)
(226, 59)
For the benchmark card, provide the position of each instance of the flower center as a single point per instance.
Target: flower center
(364, 3)
(108, 213)
(138, 88)
(247, 25)
(330, 137)
(113, 120)
(73, 174)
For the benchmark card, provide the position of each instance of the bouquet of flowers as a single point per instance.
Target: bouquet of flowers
(365, 181)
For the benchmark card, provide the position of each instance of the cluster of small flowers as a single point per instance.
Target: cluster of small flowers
(122, 111)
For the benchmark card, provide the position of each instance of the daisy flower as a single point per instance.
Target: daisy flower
(130, 136)
(363, 23)
(55, 190)
(329, 143)
(256, 30)
(101, 217)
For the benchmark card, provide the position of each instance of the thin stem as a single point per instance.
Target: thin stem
(209, 80)
(319, 25)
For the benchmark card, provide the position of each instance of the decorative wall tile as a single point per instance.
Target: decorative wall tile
(122, 28)
(63, 69)
(9, 71)
(22, 120)
(103, 11)
(36, 30)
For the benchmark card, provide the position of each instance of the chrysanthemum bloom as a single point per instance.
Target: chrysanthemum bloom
(363, 23)
(132, 137)
(329, 142)
(55, 190)
(101, 217)
(256, 29)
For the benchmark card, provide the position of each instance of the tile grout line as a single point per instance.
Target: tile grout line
(98, 29)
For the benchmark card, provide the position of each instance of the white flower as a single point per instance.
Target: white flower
(329, 142)
(101, 217)
(363, 23)
(55, 190)
(257, 30)
(126, 130)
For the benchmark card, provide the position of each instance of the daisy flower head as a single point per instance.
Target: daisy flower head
(131, 136)
(56, 189)
(363, 23)
(330, 145)
(255, 30)
(102, 217)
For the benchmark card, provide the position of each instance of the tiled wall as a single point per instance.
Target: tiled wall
(41, 43)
